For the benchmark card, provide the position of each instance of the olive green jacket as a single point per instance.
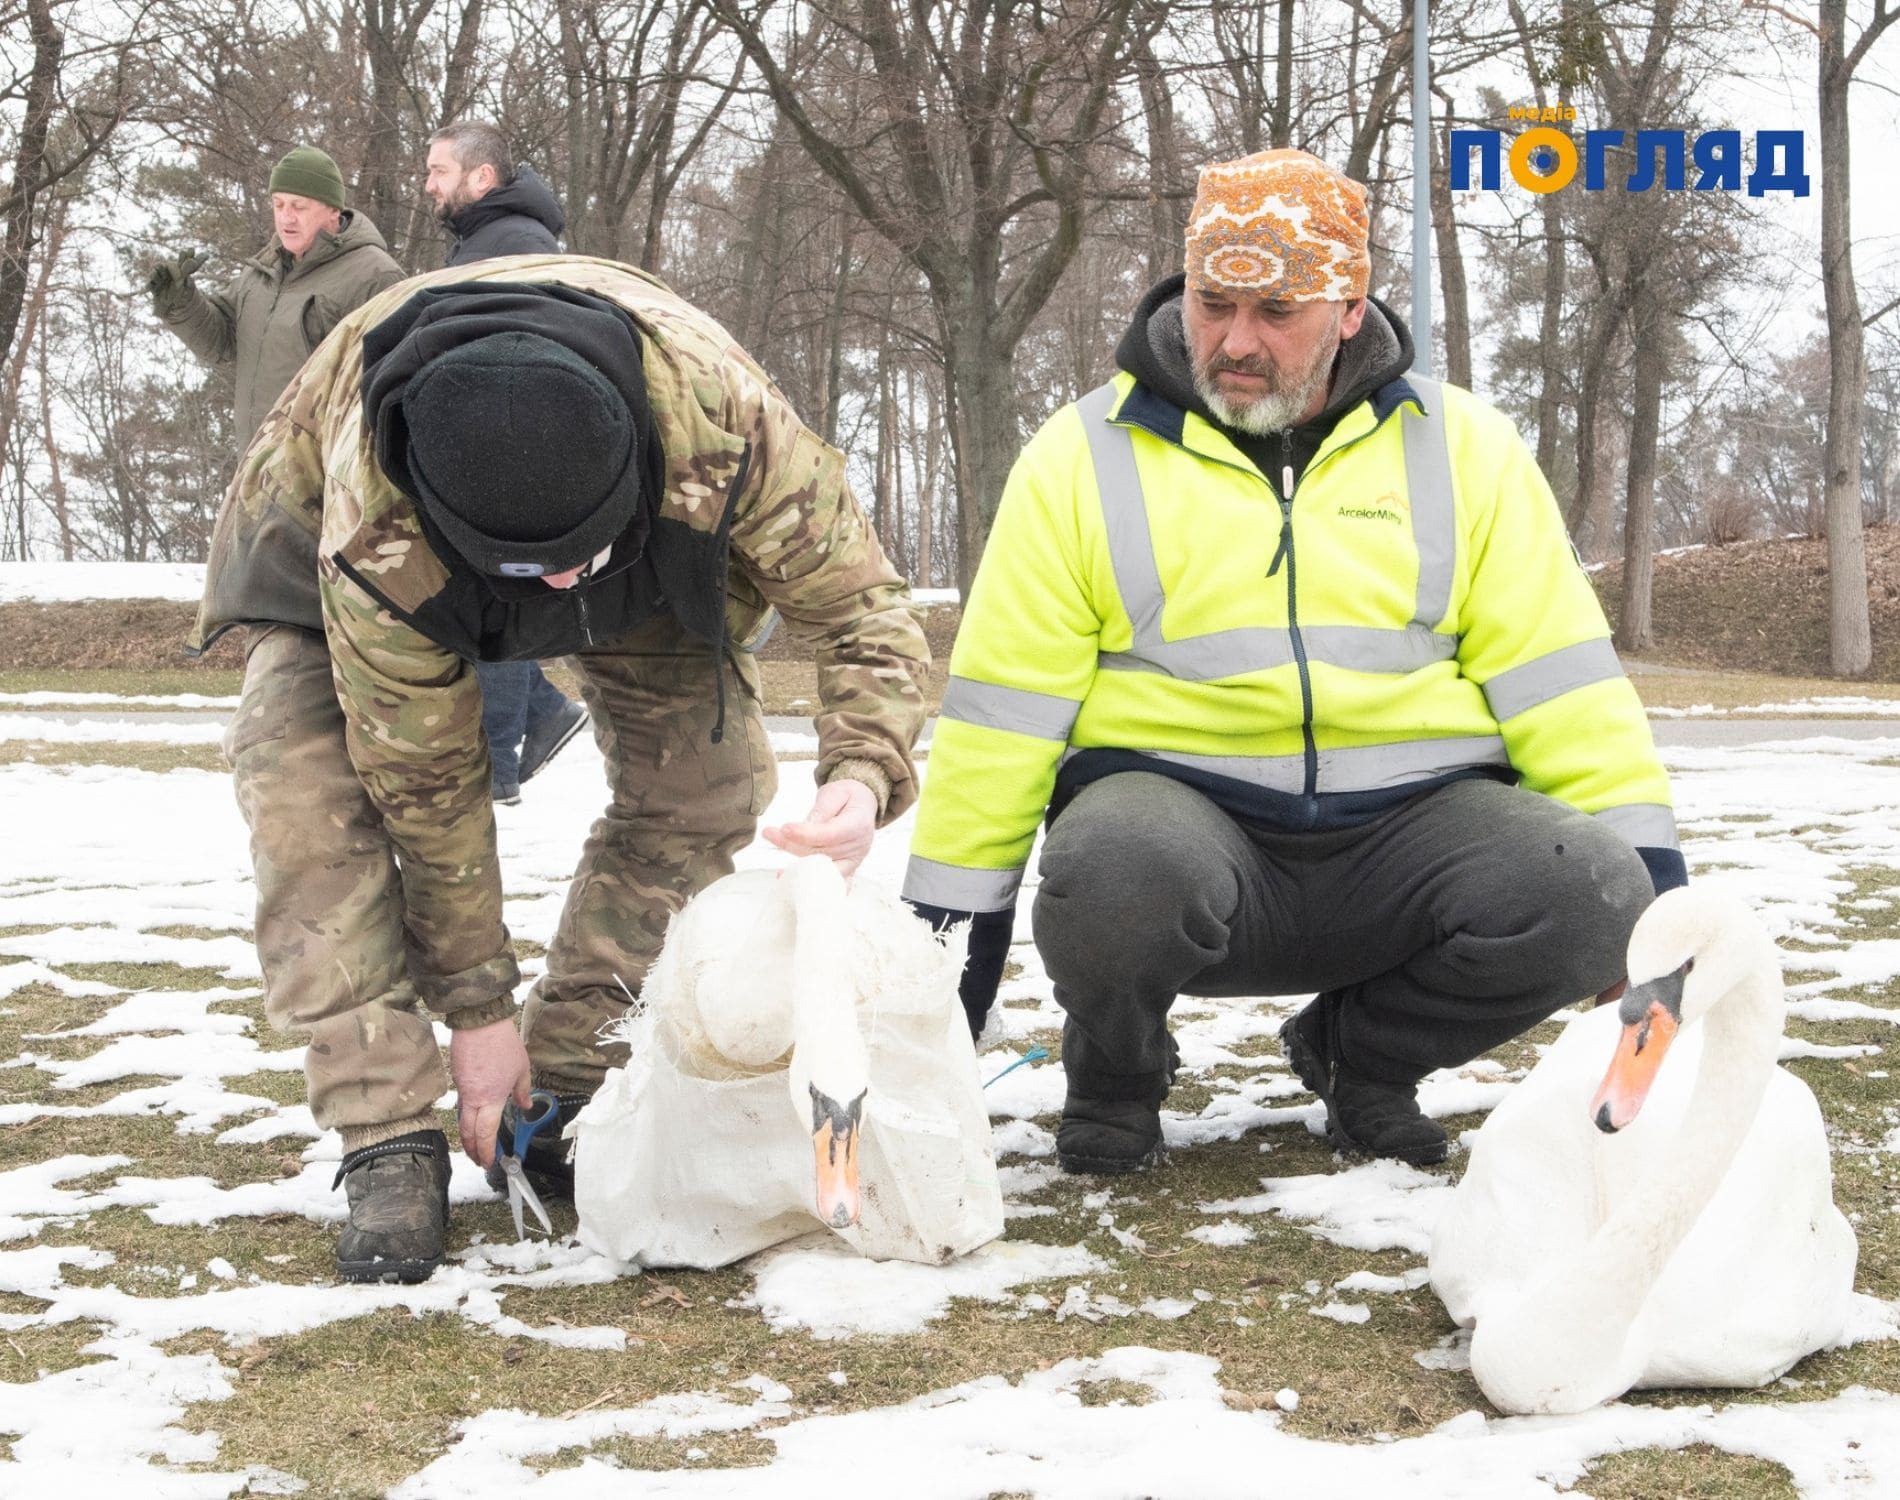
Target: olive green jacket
(276, 310)
(310, 513)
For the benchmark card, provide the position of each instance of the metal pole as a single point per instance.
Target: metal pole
(1421, 189)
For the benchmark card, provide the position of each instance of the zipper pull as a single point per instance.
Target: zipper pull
(1286, 501)
(1286, 535)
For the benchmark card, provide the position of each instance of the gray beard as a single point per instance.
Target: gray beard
(1267, 414)
(1261, 417)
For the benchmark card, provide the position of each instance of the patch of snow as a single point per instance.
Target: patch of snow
(820, 1285)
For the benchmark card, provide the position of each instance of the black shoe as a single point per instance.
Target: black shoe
(399, 1208)
(547, 1159)
(507, 796)
(1363, 1115)
(1111, 1123)
(1108, 1136)
(547, 739)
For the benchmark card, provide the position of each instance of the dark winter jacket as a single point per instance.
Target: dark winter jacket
(276, 311)
(521, 217)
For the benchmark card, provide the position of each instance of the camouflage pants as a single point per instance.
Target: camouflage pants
(330, 928)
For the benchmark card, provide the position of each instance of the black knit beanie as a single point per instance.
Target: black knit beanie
(522, 453)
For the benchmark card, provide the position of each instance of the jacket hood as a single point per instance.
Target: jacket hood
(1153, 349)
(355, 233)
(528, 195)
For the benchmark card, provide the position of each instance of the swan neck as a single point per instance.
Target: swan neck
(827, 1046)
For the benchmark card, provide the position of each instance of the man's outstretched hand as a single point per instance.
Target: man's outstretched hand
(841, 823)
(169, 278)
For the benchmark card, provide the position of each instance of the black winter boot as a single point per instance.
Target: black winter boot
(547, 1159)
(1111, 1122)
(1363, 1115)
(399, 1208)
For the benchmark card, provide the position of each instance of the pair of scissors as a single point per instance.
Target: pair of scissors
(511, 1146)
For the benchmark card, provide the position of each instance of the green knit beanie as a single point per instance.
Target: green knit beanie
(309, 173)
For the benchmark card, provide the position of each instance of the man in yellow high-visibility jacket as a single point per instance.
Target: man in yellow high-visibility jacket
(1292, 648)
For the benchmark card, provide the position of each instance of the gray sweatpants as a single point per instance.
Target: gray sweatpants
(1443, 928)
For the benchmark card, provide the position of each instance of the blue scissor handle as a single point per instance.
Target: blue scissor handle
(545, 1108)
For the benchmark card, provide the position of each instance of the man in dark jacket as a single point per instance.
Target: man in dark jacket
(492, 207)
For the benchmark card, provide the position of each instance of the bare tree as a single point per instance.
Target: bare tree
(73, 94)
(636, 104)
(972, 148)
(1850, 645)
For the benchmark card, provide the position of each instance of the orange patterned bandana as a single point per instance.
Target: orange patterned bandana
(1279, 224)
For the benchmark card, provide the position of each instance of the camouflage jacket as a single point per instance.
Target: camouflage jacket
(308, 495)
(276, 310)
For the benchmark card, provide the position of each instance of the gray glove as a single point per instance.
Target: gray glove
(170, 280)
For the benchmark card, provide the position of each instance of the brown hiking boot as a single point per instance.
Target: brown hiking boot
(399, 1208)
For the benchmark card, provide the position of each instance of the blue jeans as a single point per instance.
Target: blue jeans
(515, 696)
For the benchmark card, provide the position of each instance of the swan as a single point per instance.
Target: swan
(1669, 1223)
(798, 1053)
(802, 1018)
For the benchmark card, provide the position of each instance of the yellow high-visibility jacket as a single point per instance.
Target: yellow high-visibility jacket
(1411, 612)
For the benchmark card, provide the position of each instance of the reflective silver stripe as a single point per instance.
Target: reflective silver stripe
(959, 889)
(1353, 768)
(1202, 658)
(1018, 710)
(1551, 676)
(1232, 653)
(1647, 825)
(1428, 487)
(1366, 649)
(1118, 483)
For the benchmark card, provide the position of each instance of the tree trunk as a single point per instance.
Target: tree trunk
(1606, 321)
(56, 477)
(456, 89)
(1451, 268)
(1639, 515)
(1849, 633)
(1550, 360)
(1550, 351)
(1282, 136)
(387, 191)
(982, 382)
(927, 488)
(834, 335)
(29, 167)
(33, 314)
(1165, 216)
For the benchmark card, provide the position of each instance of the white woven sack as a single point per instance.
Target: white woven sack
(688, 1158)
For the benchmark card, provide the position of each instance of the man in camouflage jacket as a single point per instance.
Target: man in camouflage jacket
(380, 535)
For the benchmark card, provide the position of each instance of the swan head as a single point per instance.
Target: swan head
(1693, 947)
(834, 1141)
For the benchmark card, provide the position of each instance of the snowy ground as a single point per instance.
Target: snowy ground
(108, 865)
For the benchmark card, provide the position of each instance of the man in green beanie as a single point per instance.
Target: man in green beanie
(323, 261)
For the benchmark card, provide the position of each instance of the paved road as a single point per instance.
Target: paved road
(1669, 732)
